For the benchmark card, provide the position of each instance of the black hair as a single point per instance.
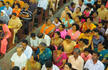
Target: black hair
(79, 8)
(91, 19)
(2, 2)
(40, 35)
(33, 35)
(87, 31)
(69, 15)
(95, 53)
(86, 50)
(15, 68)
(58, 33)
(48, 64)
(43, 44)
(14, 14)
(69, 65)
(63, 26)
(86, 41)
(89, 5)
(96, 30)
(58, 19)
(17, 5)
(85, 69)
(8, 2)
(101, 43)
(1, 22)
(67, 37)
(77, 26)
(25, 41)
(60, 48)
(72, 3)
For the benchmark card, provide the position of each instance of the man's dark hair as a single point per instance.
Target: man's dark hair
(95, 53)
(86, 41)
(14, 14)
(8, 2)
(48, 64)
(67, 37)
(69, 65)
(86, 50)
(15, 68)
(87, 31)
(85, 69)
(33, 35)
(25, 41)
(40, 35)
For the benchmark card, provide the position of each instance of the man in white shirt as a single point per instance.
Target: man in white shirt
(49, 66)
(44, 38)
(94, 63)
(34, 41)
(76, 60)
(19, 58)
(27, 49)
(81, 5)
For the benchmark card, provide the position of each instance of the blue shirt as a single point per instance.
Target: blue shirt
(8, 11)
(89, 2)
(96, 42)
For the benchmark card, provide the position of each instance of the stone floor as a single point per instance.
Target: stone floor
(5, 63)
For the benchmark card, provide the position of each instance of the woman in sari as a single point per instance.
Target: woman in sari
(4, 35)
(74, 32)
(15, 24)
(16, 9)
(59, 57)
(56, 40)
(33, 64)
(68, 21)
(62, 31)
(48, 27)
(88, 25)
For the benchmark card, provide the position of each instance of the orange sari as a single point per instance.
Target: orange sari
(16, 11)
(47, 29)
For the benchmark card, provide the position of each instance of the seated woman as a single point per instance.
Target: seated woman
(47, 28)
(86, 55)
(59, 57)
(88, 25)
(16, 9)
(4, 17)
(33, 64)
(68, 45)
(74, 32)
(62, 31)
(77, 12)
(82, 44)
(68, 21)
(14, 24)
(44, 54)
(4, 35)
(56, 40)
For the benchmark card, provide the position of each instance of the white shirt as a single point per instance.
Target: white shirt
(35, 42)
(28, 52)
(82, 7)
(91, 66)
(19, 61)
(46, 40)
(106, 31)
(43, 4)
(76, 63)
(53, 68)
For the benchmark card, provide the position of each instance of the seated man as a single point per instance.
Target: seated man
(76, 60)
(27, 49)
(34, 41)
(94, 63)
(44, 38)
(68, 45)
(44, 54)
(19, 58)
(49, 66)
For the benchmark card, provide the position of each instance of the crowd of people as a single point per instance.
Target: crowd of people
(76, 40)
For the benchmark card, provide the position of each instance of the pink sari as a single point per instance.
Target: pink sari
(62, 33)
(59, 59)
(4, 41)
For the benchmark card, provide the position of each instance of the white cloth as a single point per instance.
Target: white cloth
(91, 66)
(35, 42)
(28, 52)
(43, 4)
(57, 25)
(19, 61)
(46, 40)
(76, 63)
(106, 31)
(54, 67)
